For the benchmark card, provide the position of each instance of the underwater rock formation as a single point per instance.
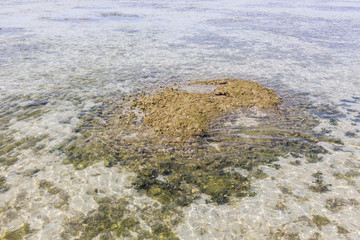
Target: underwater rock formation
(184, 115)
(180, 147)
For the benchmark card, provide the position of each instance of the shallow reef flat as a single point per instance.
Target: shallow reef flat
(125, 119)
(185, 146)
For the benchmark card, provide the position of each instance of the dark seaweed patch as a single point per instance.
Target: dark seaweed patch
(319, 185)
(113, 220)
(3, 186)
(18, 233)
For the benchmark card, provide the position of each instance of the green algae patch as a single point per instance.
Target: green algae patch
(283, 234)
(223, 185)
(319, 186)
(259, 174)
(341, 230)
(316, 236)
(62, 200)
(3, 186)
(48, 186)
(111, 216)
(320, 220)
(85, 154)
(336, 204)
(114, 219)
(17, 234)
(348, 176)
(185, 115)
(331, 140)
(9, 147)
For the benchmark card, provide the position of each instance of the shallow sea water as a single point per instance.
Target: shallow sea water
(61, 59)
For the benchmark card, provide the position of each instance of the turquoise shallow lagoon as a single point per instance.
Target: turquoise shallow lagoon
(61, 61)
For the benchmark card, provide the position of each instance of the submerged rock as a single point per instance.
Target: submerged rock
(184, 115)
